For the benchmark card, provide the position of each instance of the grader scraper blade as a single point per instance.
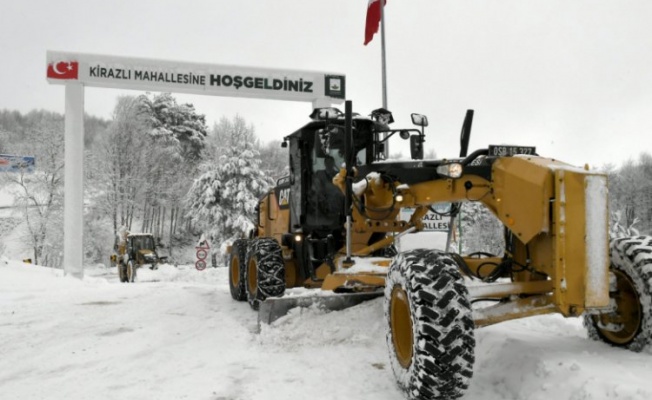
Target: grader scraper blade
(274, 308)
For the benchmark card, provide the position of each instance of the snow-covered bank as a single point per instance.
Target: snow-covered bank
(176, 334)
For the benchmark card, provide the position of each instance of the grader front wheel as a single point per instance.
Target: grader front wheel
(430, 330)
(629, 324)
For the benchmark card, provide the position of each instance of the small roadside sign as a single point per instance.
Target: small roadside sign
(10, 163)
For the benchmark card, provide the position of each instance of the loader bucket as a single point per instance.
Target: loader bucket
(274, 308)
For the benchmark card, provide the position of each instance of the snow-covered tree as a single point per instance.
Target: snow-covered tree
(40, 194)
(274, 159)
(118, 165)
(177, 123)
(136, 179)
(479, 230)
(630, 193)
(618, 230)
(222, 201)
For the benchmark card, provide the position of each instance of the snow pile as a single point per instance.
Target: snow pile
(549, 357)
(328, 328)
(182, 273)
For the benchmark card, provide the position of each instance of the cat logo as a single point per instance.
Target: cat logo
(284, 198)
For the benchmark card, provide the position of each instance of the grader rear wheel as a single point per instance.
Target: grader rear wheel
(265, 271)
(630, 324)
(430, 330)
(237, 265)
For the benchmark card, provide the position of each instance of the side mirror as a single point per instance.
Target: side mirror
(420, 120)
(416, 147)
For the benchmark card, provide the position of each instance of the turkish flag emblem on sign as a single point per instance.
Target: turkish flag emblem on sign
(63, 70)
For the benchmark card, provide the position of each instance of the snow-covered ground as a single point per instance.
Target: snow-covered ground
(176, 334)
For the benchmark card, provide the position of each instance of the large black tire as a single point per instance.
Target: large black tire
(265, 272)
(131, 271)
(237, 264)
(430, 329)
(631, 266)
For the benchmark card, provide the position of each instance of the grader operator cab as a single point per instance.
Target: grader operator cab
(331, 224)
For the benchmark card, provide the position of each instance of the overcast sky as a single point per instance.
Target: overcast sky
(572, 77)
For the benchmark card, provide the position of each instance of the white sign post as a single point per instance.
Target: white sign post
(73, 201)
(77, 70)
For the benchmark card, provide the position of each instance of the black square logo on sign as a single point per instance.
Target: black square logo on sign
(335, 86)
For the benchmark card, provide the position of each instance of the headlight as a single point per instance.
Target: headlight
(453, 170)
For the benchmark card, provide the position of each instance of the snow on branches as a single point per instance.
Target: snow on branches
(174, 122)
(222, 201)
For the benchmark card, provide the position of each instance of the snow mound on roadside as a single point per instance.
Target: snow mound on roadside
(182, 273)
(550, 357)
(303, 327)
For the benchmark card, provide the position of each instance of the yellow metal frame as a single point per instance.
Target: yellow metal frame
(543, 202)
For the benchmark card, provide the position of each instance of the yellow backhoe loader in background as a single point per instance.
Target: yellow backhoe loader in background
(133, 250)
(331, 225)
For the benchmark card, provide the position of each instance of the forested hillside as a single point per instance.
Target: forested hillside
(156, 166)
(139, 167)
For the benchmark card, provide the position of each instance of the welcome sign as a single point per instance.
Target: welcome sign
(182, 77)
(76, 71)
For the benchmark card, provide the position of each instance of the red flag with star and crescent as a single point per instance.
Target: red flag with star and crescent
(373, 20)
(63, 70)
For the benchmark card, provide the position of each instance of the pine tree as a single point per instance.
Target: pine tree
(223, 199)
(177, 123)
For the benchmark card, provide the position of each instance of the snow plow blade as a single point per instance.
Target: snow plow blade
(274, 308)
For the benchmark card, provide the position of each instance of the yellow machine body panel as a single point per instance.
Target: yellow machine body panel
(556, 216)
(580, 242)
(274, 217)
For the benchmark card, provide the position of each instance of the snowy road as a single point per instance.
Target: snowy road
(176, 334)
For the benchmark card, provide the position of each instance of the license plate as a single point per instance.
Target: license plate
(506, 151)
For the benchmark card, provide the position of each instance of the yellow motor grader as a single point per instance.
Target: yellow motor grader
(331, 225)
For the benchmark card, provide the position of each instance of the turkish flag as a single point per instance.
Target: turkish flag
(63, 70)
(373, 20)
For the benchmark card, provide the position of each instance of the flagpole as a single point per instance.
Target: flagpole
(382, 37)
